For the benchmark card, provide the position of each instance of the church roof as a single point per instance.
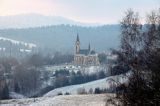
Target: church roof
(84, 51)
(92, 52)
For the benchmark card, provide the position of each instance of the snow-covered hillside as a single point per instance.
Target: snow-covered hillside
(15, 48)
(15, 95)
(29, 45)
(102, 84)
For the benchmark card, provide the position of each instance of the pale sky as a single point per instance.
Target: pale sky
(91, 11)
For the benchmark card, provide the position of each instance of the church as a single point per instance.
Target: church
(84, 56)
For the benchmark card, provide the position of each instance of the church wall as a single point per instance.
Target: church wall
(86, 60)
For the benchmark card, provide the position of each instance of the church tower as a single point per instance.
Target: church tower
(77, 44)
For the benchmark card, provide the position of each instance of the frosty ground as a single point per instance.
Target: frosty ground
(63, 100)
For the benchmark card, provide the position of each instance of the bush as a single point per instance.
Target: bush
(97, 91)
(90, 91)
(5, 92)
(60, 93)
(67, 93)
(81, 91)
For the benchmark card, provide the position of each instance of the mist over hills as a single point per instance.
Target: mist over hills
(37, 20)
(62, 37)
(58, 33)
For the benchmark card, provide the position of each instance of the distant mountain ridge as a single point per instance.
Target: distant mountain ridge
(37, 20)
(62, 37)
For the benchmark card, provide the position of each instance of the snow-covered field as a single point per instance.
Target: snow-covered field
(64, 100)
(102, 84)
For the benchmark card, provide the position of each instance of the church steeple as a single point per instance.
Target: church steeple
(77, 44)
(89, 47)
(77, 38)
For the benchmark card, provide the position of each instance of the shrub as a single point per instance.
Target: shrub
(81, 91)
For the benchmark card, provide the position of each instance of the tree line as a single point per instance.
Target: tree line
(140, 51)
(23, 75)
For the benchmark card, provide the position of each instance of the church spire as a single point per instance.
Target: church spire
(89, 47)
(77, 44)
(77, 37)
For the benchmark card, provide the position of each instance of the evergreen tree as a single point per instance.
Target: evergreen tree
(5, 92)
(17, 88)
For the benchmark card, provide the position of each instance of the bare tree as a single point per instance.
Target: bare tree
(131, 34)
(141, 52)
(27, 79)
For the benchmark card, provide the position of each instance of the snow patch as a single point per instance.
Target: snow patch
(29, 45)
(15, 95)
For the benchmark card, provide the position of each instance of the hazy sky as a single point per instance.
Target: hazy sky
(92, 11)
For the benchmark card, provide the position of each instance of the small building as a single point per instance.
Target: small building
(85, 56)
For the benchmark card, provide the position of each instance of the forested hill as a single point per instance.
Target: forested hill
(62, 37)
